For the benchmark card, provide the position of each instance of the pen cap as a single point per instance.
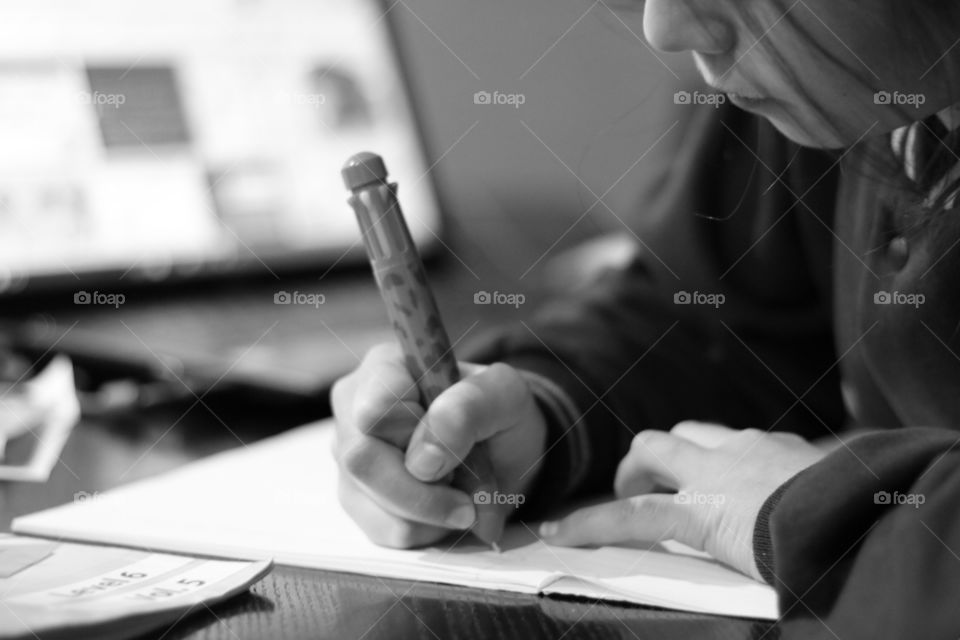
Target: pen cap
(362, 169)
(374, 201)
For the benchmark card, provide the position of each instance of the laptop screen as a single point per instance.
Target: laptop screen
(159, 139)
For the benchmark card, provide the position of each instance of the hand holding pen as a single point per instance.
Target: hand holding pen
(406, 420)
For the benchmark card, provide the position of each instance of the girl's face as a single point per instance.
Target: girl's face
(825, 72)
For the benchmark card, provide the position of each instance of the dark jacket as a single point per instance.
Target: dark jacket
(806, 247)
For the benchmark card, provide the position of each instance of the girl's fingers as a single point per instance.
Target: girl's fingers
(377, 469)
(656, 461)
(705, 434)
(386, 401)
(383, 527)
(646, 518)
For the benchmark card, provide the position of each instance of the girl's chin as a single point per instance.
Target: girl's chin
(818, 138)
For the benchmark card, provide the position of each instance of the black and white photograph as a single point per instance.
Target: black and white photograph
(430, 319)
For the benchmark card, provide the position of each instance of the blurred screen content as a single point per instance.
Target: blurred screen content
(154, 138)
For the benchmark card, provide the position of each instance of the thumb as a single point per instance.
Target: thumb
(473, 410)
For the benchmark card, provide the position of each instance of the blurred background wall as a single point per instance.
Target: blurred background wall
(595, 100)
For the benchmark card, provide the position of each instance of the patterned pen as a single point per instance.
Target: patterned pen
(413, 312)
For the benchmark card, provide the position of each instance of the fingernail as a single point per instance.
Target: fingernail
(462, 517)
(426, 461)
(548, 529)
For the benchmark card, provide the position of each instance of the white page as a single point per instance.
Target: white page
(277, 499)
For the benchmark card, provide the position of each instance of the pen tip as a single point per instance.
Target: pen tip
(496, 547)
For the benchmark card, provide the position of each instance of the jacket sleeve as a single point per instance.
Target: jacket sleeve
(724, 314)
(866, 543)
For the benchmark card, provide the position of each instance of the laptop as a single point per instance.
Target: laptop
(170, 192)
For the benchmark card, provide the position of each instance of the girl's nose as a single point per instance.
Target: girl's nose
(682, 25)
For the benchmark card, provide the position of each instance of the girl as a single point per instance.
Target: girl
(816, 217)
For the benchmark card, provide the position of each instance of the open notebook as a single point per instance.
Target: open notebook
(277, 499)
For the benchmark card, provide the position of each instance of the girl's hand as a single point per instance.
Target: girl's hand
(396, 458)
(722, 477)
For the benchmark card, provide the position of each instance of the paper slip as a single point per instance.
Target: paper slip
(45, 409)
(54, 589)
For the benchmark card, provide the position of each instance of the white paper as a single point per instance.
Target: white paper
(277, 498)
